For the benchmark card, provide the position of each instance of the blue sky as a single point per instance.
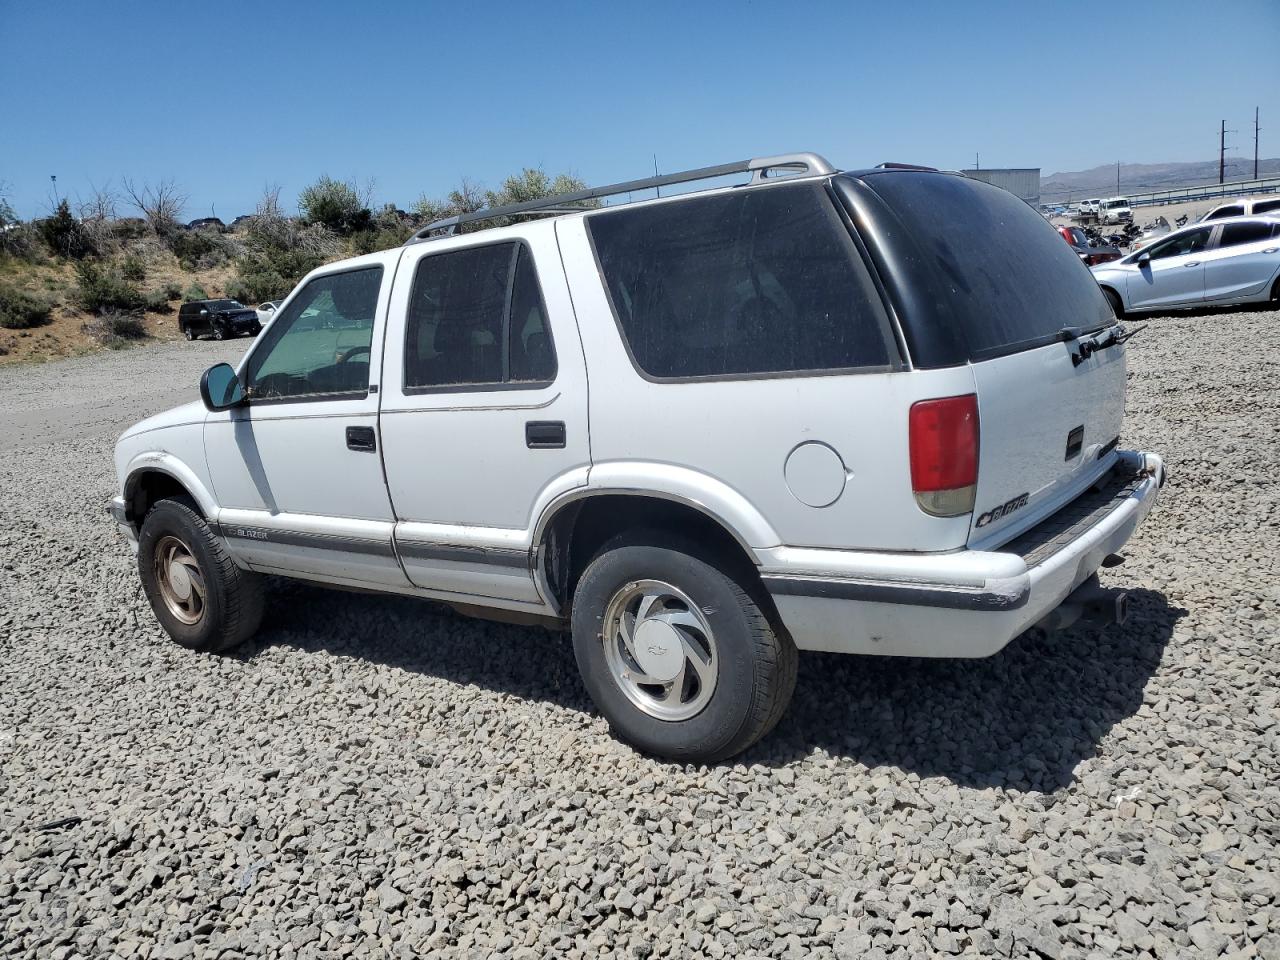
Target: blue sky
(230, 96)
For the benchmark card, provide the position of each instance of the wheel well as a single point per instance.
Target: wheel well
(574, 536)
(146, 489)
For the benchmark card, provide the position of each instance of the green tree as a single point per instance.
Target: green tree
(335, 204)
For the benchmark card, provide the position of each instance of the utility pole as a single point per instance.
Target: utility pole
(1255, 143)
(1117, 178)
(976, 165)
(1222, 152)
(656, 190)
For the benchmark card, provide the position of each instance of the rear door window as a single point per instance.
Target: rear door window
(990, 276)
(1266, 206)
(754, 282)
(1236, 234)
(477, 319)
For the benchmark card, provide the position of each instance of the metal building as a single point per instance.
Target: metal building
(1023, 182)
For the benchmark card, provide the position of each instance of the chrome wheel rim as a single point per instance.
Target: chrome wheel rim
(181, 582)
(660, 649)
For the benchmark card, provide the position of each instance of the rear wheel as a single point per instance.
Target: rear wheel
(1275, 295)
(676, 654)
(201, 598)
(1113, 298)
(188, 334)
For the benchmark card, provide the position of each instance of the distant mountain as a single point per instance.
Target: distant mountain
(1145, 177)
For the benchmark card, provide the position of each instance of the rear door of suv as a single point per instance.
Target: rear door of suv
(484, 407)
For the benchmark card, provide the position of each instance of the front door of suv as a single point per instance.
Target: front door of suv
(484, 408)
(297, 471)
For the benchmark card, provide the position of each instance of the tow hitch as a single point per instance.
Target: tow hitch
(1092, 603)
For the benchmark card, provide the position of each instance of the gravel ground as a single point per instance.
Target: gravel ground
(378, 777)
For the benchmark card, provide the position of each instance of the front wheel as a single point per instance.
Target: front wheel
(201, 598)
(676, 654)
(219, 332)
(188, 334)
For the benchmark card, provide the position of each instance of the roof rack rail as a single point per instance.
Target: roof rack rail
(761, 168)
(905, 166)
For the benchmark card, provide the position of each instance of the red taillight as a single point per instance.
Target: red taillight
(944, 454)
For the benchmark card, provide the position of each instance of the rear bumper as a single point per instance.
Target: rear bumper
(967, 603)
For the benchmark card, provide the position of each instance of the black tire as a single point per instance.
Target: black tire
(757, 666)
(219, 332)
(233, 602)
(1275, 295)
(1113, 298)
(188, 334)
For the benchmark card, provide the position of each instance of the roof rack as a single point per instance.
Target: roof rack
(761, 168)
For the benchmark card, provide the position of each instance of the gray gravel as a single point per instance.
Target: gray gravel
(378, 777)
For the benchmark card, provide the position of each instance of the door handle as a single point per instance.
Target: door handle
(361, 438)
(1193, 263)
(544, 434)
(1271, 249)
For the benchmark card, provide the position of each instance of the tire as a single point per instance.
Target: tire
(1113, 298)
(750, 676)
(1274, 302)
(219, 332)
(230, 609)
(188, 334)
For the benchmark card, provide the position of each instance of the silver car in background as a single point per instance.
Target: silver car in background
(1206, 264)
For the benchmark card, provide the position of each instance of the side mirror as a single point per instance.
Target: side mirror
(220, 388)
(204, 313)
(1144, 259)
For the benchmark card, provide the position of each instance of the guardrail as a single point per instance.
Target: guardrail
(1204, 191)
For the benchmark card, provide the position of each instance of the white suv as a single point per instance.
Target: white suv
(873, 412)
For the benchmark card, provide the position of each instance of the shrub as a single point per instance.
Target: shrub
(172, 291)
(156, 302)
(64, 235)
(194, 292)
(102, 289)
(336, 205)
(255, 287)
(115, 328)
(134, 268)
(371, 241)
(200, 249)
(20, 310)
(22, 241)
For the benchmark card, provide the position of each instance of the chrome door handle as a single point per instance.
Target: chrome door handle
(1271, 249)
(1194, 263)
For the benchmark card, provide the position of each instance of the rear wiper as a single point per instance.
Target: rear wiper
(1085, 347)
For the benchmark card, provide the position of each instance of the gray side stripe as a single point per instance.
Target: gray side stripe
(317, 541)
(454, 553)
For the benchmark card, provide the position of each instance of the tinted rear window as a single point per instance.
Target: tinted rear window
(754, 282)
(990, 274)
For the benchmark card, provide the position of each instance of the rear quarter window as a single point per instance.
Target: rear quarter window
(991, 275)
(757, 282)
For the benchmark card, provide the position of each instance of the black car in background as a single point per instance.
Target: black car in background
(219, 319)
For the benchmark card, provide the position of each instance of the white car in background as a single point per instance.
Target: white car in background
(267, 310)
(1249, 207)
(1231, 261)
